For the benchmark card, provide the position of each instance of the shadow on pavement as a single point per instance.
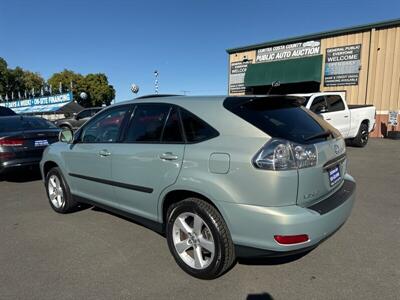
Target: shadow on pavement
(23, 174)
(270, 261)
(262, 296)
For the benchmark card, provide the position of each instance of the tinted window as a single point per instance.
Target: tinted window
(319, 105)
(5, 111)
(281, 118)
(84, 114)
(105, 127)
(172, 131)
(19, 124)
(37, 123)
(196, 130)
(335, 102)
(94, 111)
(147, 123)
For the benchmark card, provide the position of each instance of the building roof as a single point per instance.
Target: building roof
(318, 35)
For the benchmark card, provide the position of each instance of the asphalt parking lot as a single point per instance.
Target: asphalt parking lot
(92, 254)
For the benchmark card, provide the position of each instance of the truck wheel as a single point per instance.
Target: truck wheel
(58, 192)
(199, 239)
(361, 139)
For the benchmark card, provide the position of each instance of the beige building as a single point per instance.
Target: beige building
(362, 61)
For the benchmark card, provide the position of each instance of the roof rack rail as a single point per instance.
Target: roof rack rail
(156, 96)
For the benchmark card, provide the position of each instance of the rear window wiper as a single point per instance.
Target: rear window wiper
(323, 134)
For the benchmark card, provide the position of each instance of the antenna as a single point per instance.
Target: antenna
(275, 83)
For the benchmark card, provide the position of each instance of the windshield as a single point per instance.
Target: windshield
(20, 124)
(283, 117)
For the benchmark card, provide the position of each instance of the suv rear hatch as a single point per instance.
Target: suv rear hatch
(300, 140)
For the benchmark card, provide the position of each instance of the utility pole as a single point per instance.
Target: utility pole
(156, 81)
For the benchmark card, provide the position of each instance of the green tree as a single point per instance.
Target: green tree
(32, 80)
(18, 80)
(3, 76)
(67, 77)
(96, 87)
(98, 90)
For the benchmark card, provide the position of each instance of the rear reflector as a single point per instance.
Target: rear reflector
(291, 239)
(11, 142)
(5, 155)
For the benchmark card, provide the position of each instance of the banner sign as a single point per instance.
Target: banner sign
(40, 104)
(289, 51)
(342, 65)
(393, 118)
(236, 77)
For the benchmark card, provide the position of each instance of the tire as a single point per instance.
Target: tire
(362, 137)
(207, 250)
(58, 192)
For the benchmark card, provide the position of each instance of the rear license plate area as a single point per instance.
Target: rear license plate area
(41, 143)
(334, 175)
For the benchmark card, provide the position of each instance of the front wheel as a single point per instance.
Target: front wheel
(58, 192)
(362, 137)
(199, 239)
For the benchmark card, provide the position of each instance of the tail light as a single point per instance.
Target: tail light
(279, 154)
(11, 142)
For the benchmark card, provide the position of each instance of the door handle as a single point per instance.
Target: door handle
(104, 153)
(328, 119)
(346, 116)
(168, 156)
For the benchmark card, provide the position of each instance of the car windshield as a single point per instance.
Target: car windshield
(281, 117)
(20, 124)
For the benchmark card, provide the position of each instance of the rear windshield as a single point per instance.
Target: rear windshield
(20, 124)
(280, 117)
(5, 111)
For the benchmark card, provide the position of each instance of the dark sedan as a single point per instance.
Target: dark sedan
(23, 139)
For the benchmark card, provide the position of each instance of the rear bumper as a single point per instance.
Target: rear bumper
(21, 162)
(253, 227)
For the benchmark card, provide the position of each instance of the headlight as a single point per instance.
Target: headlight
(279, 154)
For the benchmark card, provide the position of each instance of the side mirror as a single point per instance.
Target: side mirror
(75, 116)
(66, 135)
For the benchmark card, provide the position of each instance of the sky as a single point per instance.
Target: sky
(185, 41)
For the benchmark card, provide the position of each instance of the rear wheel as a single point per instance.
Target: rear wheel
(362, 137)
(58, 192)
(199, 239)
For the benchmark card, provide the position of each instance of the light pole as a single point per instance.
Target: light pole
(156, 81)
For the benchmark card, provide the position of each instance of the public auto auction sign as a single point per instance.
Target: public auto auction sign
(342, 65)
(289, 51)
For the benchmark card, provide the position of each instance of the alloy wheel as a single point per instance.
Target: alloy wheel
(193, 240)
(56, 192)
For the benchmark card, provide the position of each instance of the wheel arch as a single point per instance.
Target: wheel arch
(366, 122)
(175, 196)
(48, 165)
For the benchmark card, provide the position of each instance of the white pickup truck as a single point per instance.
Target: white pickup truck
(354, 122)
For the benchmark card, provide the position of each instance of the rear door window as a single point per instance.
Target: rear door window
(147, 123)
(172, 132)
(335, 103)
(279, 117)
